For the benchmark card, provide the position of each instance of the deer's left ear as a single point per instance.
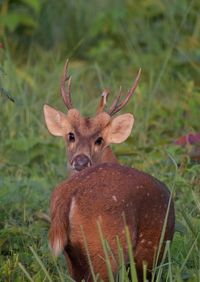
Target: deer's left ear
(119, 129)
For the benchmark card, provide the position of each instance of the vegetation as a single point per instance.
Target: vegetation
(106, 41)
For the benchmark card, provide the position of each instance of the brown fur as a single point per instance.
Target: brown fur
(104, 193)
(88, 126)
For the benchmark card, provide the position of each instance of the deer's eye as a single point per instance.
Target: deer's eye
(99, 141)
(71, 137)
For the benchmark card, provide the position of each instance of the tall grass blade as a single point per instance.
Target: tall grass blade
(160, 246)
(131, 257)
(144, 272)
(164, 227)
(41, 264)
(159, 269)
(61, 277)
(25, 272)
(189, 253)
(107, 258)
(122, 275)
(88, 254)
(169, 273)
(196, 199)
(189, 223)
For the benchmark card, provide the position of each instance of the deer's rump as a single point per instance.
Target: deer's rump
(107, 197)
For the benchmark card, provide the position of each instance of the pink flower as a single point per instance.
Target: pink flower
(191, 138)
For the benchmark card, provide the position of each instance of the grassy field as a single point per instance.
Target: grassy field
(106, 44)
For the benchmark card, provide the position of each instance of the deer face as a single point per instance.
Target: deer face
(87, 138)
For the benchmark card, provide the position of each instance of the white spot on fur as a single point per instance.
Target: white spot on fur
(72, 209)
(114, 198)
(139, 186)
(143, 241)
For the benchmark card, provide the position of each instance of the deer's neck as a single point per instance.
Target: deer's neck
(108, 156)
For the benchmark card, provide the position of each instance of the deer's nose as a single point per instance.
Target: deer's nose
(80, 162)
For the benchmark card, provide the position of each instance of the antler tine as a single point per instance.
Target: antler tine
(103, 101)
(115, 107)
(66, 95)
(116, 101)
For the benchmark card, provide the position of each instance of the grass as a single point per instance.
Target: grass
(160, 37)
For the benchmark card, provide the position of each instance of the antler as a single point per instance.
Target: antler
(116, 101)
(116, 106)
(66, 95)
(103, 101)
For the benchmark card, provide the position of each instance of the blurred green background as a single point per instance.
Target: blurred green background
(106, 42)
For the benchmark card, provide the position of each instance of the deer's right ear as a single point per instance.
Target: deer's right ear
(56, 121)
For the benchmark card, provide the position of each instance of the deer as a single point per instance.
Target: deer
(101, 192)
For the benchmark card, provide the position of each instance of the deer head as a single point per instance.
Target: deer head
(88, 139)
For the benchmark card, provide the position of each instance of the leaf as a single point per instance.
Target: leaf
(14, 19)
(34, 4)
(179, 227)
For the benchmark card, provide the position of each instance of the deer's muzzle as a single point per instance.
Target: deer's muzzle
(80, 162)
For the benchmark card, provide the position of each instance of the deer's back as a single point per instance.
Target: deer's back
(111, 195)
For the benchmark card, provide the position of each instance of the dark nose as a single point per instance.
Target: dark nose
(80, 162)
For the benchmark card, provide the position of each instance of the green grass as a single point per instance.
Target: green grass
(161, 37)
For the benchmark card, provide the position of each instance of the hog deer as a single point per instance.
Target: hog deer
(105, 192)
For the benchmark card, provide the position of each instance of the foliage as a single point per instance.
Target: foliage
(19, 20)
(107, 41)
